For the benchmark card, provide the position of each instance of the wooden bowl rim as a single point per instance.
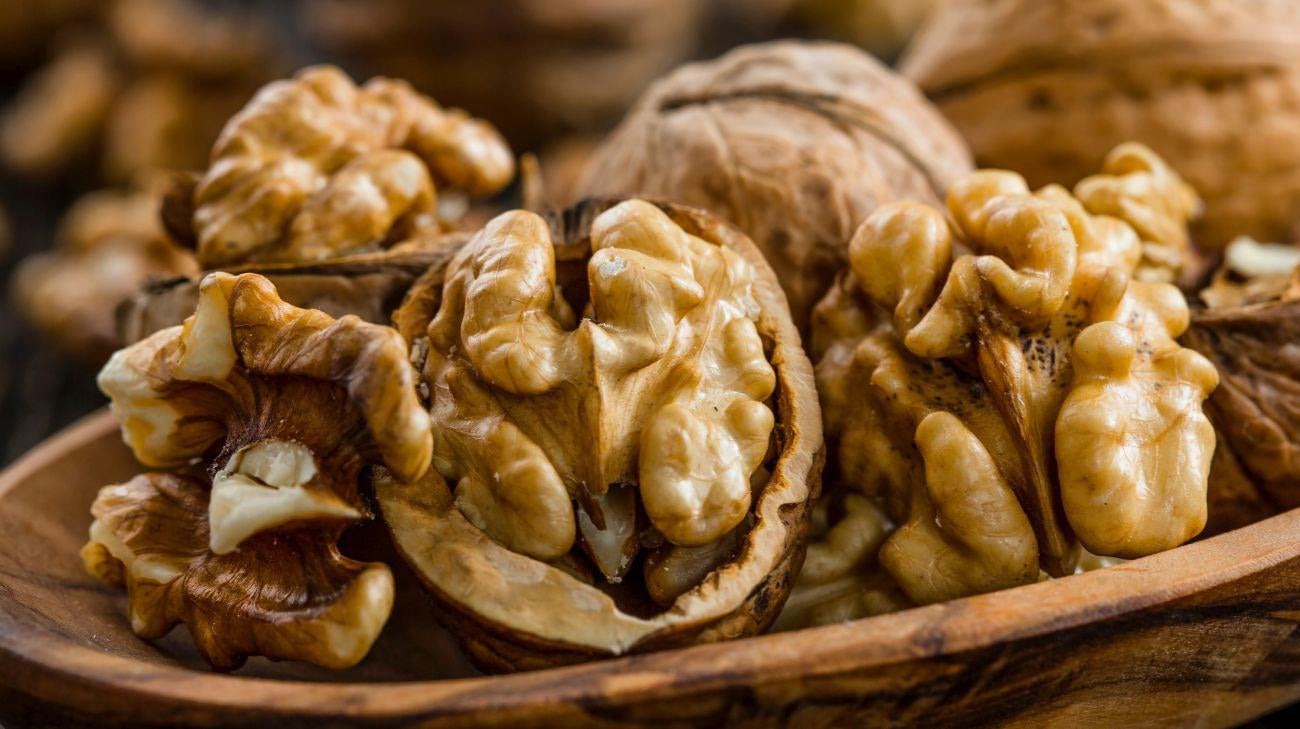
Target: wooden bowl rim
(971, 623)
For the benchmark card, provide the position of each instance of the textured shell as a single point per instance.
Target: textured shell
(369, 285)
(1047, 87)
(793, 142)
(552, 623)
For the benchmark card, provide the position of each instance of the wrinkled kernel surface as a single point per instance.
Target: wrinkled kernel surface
(659, 381)
(1006, 381)
(279, 409)
(316, 166)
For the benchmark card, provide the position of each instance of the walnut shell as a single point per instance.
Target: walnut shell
(513, 612)
(1047, 87)
(369, 285)
(794, 142)
(1254, 410)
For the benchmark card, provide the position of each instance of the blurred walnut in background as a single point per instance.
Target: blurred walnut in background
(882, 27)
(143, 84)
(109, 244)
(535, 68)
(1047, 87)
(317, 167)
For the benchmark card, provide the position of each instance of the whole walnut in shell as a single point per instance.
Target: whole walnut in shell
(627, 436)
(315, 167)
(260, 418)
(1047, 87)
(1006, 384)
(110, 243)
(794, 142)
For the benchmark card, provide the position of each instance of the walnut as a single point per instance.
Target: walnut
(266, 414)
(1047, 87)
(570, 67)
(315, 167)
(1249, 333)
(793, 142)
(1007, 386)
(109, 244)
(127, 86)
(622, 381)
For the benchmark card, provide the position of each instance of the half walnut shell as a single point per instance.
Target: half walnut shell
(618, 417)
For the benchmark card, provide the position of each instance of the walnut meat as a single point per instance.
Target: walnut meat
(626, 440)
(1047, 87)
(793, 142)
(1006, 385)
(316, 167)
(263, 416)
(109, 244)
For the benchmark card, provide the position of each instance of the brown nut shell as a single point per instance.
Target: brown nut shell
(1048, 87)
(512, 612)
(794, 142)
(369, 285)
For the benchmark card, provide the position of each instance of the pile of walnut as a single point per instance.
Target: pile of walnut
(1004, 385)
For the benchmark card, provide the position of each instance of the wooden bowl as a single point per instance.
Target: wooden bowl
(1203, 635)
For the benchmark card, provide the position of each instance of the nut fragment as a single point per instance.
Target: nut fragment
(275, 410)
(604, 384)
(316, 167)
(796, 143)
(1015, 388)
(1048, 87)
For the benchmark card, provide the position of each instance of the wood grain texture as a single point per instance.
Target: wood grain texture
(1204, 635)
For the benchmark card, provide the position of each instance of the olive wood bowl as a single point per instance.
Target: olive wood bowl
(1202, 635)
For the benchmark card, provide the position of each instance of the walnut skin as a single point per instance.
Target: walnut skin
(622, 381)
(266, 414)
(316, 167)
(794, 142)
(1007, 387)
(1047, 87)
(109, 244)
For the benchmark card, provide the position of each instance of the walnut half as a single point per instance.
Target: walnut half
(625, 435)
(316, 167)
(1007, 384)
(264, 415)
